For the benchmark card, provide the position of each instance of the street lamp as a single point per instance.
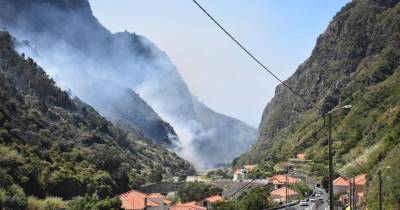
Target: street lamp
(380, 187)
(331, 207)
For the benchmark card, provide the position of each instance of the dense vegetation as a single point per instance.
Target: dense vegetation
(355, 61)
(197, 191)
(95, 54)
(254, 199)
(52, 145)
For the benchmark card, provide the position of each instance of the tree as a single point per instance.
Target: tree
(93, 203)
(196, 191)
(156, 174)
(256, 199)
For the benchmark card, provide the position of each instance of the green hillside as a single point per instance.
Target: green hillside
(355, 61)
(52, 145)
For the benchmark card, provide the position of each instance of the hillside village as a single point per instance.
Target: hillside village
(291, 186)
(95, 119)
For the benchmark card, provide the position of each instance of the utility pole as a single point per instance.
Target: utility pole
(380, 189)
(354, 194)
(286, 184)
(350, 194)
(331, 207)
(331, 203)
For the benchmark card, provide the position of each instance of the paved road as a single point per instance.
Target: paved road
(320, 205)
(313, 206)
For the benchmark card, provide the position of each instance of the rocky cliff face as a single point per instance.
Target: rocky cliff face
(355, 61)
(77, 51)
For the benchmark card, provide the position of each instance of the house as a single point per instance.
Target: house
(208, 202)
(340, 186)
(301, 156)
(250, 168)
(243, 173)
(360, 183)
(240, 174)
(297, 164)
(135, 200)
(279, 195)
(280, 181)
(188, 206)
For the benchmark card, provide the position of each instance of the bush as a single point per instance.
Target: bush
(17, 199)
(3, 198)
(255, 199)
(93, 203)
(50, 203)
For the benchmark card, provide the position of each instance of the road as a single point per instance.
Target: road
(315, 206)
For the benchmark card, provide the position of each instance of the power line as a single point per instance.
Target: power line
(249, 53)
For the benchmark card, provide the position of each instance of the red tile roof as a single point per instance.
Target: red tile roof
(281, 179)
(281, 192)
(160, 196)
(340, 181)
(301, 156)
(135, 200)
(361, 179)
(188, 206)
(214, 199)
(250, 167)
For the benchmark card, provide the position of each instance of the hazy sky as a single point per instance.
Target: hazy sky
(281, 33)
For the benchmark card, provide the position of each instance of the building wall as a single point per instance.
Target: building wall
(282, 199)
(340, 189)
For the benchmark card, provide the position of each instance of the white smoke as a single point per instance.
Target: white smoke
(77, 52)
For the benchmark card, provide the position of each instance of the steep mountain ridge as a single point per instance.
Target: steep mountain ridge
(76, 49)
(52, 145)
(355, 61)
(144, 121)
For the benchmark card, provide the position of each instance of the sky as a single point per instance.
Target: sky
(281, 33)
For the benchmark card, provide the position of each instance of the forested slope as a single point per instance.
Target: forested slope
(355, 61)
(52, 145)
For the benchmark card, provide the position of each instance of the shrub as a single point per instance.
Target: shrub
(93, 203)
(3, 198)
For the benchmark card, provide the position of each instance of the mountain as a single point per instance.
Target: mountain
(145, 121)
(355, 61)
(76, 50)
(53, 145)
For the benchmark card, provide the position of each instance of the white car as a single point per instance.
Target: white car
(313, 200)
(303, 203)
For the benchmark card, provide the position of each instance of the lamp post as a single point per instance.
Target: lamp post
(331, 207)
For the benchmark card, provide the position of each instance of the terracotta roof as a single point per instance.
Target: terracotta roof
(167, 202)
(187, 206)
(281, 192)
(361, 179)
(215, 198)
(159, 196)
(156, 195)
(135, 200)
(340, 181)
(301, 156)
(250, 167)
(281, 179)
